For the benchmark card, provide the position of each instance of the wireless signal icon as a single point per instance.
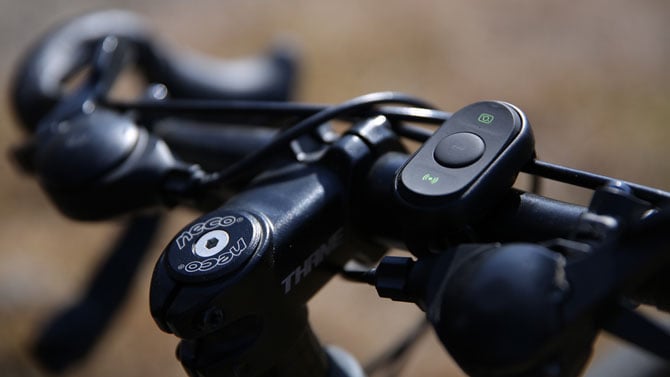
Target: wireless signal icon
(430, 178)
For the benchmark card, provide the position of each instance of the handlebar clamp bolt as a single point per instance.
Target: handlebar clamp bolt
(212, 319)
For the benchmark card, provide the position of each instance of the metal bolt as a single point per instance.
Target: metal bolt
(211, 243)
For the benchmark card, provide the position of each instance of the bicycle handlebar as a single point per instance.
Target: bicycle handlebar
(66, 50)
(505, 277)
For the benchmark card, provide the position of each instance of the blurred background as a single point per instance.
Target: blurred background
(592, 77)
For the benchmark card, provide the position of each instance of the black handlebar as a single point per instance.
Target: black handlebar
(66, 50)
(503, 275)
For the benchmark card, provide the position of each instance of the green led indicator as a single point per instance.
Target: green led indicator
(485, 118)
(430, 178)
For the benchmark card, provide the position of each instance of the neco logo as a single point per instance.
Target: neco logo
(196, 229)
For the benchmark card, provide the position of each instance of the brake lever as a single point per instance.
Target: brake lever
(88, 158)
(627, 236)
(638, 329)
(622, 263)
(110, 55)
(108, 62)
(71, 333)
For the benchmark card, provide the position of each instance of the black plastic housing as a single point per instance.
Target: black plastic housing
(100, 165)
(463, 192)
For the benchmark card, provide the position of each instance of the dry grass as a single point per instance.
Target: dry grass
(592, 76)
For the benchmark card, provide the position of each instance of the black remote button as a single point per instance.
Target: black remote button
(469, 161)
(459, 150)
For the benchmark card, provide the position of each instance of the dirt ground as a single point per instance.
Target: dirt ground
(592, 77)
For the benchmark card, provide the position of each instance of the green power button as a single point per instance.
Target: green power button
(485, 118)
